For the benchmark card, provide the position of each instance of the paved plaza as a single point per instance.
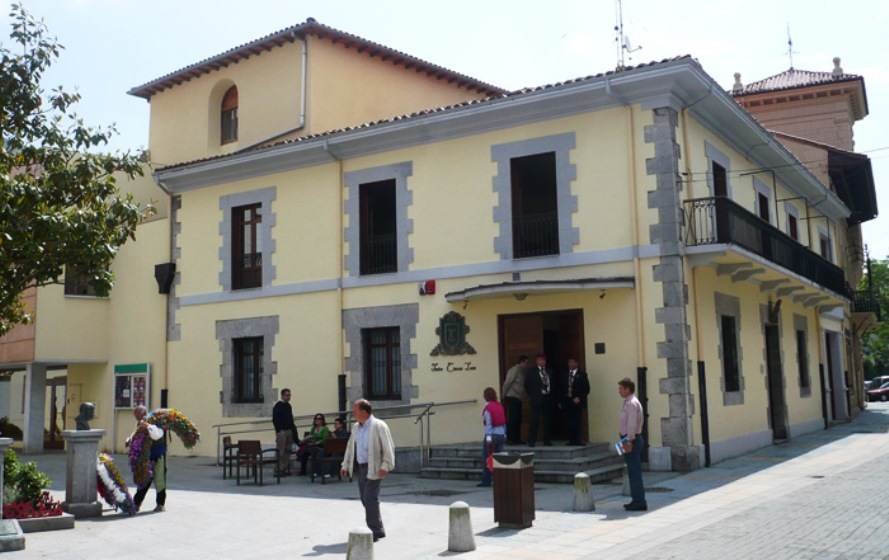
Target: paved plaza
(821, 496)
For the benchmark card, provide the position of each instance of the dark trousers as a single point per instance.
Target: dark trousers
(541, 409)
(573, 419)
(513, 419)
(369, 490)
(314, 452)
(159, 467)
(495, 446)
(634, 471)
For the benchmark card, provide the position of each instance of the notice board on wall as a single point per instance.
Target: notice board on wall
(132, 385)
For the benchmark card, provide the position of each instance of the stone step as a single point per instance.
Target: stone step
(572, 465)
(597, 475)
(541, 452)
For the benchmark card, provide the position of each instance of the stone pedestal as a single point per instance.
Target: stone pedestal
(80, 472)
(460, 537)
(583, 493)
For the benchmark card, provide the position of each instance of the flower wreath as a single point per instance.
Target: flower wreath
(169, 420)
(112, 487)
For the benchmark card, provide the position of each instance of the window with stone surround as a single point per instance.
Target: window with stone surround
(248, 369)
(535, 217)
(382, 368)
(730, 370)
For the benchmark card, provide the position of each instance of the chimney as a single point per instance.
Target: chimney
(738, 87)
(837, 69)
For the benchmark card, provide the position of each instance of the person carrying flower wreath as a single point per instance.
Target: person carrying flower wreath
(312, 445)
(158, 459)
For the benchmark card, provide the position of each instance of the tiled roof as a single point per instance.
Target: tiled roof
(791, 79)
(425, 112)
(288, 35)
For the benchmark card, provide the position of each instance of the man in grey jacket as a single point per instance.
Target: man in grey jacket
(513, 396)
(370, 454)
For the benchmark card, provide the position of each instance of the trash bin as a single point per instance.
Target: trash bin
(514, 490)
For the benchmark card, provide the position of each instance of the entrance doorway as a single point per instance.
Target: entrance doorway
(777, 402)
(835, 378)
(559, 335)
(57, 405)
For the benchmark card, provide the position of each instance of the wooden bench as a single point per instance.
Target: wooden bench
(334, 451)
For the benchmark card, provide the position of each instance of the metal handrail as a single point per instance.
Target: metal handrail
(423, 419)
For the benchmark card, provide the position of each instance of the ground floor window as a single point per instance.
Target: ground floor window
(382, 352)
(730, 368)
(802, 358)
(248, 369)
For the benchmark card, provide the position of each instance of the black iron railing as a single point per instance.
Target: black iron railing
(865, 301)
(379, 254)
(721, 220)
(535, 235)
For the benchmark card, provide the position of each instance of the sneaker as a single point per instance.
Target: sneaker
(636, 507)
(159, 509)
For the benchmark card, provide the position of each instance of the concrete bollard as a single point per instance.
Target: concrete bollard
(361, 544)
(583, 493)
(626, 488)
(460, 537)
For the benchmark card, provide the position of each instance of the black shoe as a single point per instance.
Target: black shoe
(636, 507)
(380, 536)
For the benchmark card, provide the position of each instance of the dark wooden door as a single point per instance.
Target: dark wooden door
(519, 335)
(777, 403)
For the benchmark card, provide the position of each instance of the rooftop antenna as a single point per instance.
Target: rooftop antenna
(790, 51)
(621, 41)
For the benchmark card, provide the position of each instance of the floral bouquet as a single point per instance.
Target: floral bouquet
(169, 420)
(112, 487)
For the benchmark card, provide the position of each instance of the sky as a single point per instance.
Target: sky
(112, 45)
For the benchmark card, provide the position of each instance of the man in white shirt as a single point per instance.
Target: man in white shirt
(370, 454)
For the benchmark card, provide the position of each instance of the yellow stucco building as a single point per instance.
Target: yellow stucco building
(346, 220)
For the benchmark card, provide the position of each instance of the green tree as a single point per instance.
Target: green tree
(59, 203)
(876, 342)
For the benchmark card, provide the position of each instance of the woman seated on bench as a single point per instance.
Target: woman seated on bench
(313, 445)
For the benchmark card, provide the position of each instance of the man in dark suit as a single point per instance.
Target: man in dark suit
(577, 388)
(539, 388)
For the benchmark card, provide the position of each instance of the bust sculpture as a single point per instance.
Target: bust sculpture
(87, 413)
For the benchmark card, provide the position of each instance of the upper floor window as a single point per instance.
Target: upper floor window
(378, 233)
(78, 284)
(824, 246)
(793, 227)
(762, 203)
(535, 217)
(229, 116)
(246, 246)
(248, 354)
(802, 359)
(720, 180)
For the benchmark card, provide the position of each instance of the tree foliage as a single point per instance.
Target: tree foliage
(59, 203)
(876, 342)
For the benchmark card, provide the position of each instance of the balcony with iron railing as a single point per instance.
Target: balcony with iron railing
(379, 254)
(535, 235)
(720, 220)
(866, 301)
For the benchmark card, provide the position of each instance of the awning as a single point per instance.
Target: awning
(522, 289)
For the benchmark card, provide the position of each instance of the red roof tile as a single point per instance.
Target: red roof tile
(288, 35)
(791, 79)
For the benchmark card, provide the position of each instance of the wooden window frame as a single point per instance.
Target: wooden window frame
(793, 226)
(239, 347)
(393, 349)
(524, 232)
(720, 179)
(246, 277)
(228, 115)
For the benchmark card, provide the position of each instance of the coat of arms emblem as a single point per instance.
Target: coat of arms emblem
(452, 330)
